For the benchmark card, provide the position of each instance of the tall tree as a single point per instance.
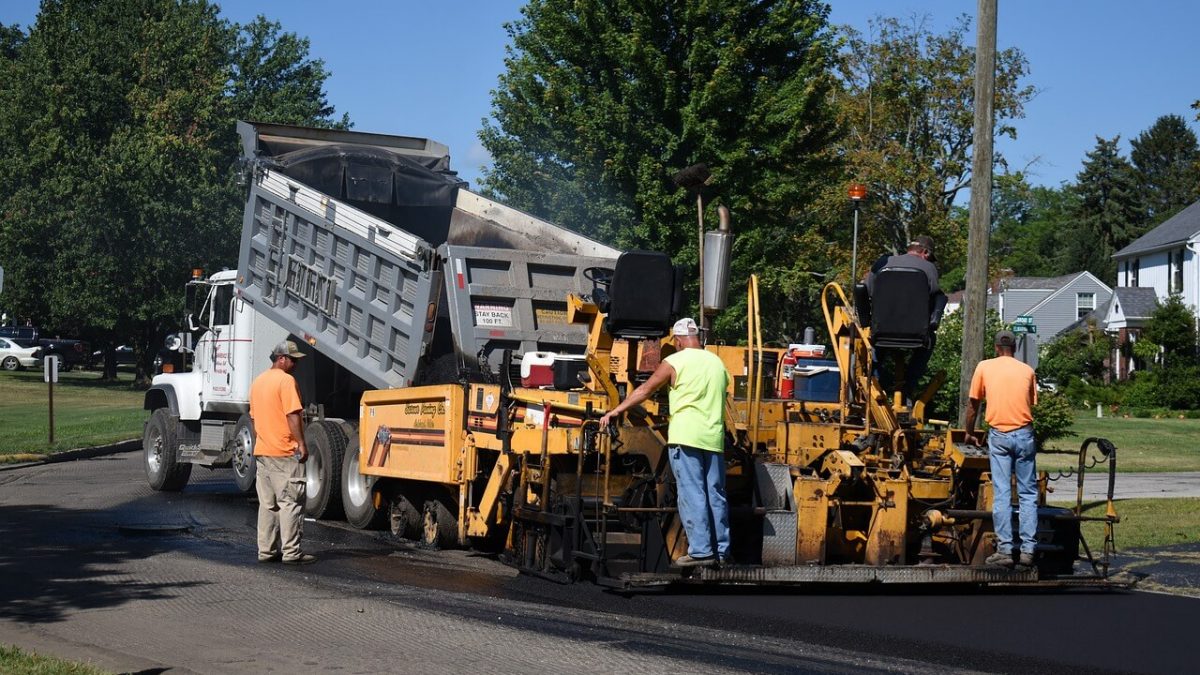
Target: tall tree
(1109, 214)
(274, 80)
(118, 148)
(908, 102)
(1167, 159)
(1029, 222)
(602, 102)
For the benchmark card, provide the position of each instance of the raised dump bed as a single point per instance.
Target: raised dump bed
(373, 251)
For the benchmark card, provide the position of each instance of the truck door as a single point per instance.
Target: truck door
(214, 353)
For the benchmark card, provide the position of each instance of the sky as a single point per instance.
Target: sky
(427, 68)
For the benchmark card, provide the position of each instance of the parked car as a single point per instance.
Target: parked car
(15, 357)
(124, 355)
(71, 353)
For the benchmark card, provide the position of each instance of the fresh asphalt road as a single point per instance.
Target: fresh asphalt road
(95, 566)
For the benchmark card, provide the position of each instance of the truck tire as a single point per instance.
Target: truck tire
(11, 363)
(323, 473)
(358, 493)
(160, 444)
(404, 520)
(242, 463)
(440, 529)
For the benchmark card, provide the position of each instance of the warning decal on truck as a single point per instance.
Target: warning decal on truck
(493, 315)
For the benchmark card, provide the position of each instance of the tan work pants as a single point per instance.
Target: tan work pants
(280, 485)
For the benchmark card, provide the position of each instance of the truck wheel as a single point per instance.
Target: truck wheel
(323, 474)
(11, 363)
(440, 529)
(161, 447)
(243, 455)
(358, 493)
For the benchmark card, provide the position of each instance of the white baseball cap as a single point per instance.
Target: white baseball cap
(685, 327)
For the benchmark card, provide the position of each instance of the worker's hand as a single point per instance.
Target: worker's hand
(608, 418)
(302, 452)
(971, 439)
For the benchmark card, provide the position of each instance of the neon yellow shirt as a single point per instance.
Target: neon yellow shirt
(697, 400)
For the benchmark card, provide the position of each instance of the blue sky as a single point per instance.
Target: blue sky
(1103, 67)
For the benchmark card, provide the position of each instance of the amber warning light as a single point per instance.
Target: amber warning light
(197, 272)
(857, 191)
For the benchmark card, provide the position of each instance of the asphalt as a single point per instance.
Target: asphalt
(97, 567)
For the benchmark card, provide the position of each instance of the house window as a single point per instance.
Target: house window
(1125, 266)
(1137, 265)
(1177, 271)
(1084, 303)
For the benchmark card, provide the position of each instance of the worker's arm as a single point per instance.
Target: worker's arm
(972, 415)
(295, 422)
(663, 374)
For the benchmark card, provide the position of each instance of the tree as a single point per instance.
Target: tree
(908, 103)
(1029, 222)
(1078, 354)
(118, 158)
(274, 80)
(602, 102)
(1109, 212)
(947, 357)
(1167, 160)
(1173, 328)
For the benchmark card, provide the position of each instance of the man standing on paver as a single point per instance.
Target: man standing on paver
(695, 441)
(1010, 390)
(279, 456)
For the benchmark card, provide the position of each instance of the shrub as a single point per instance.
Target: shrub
(1052, 417)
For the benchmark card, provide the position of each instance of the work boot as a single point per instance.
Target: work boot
(689, 561)
(302, 559)
(996, 559)
(726, 561)
(1026, 559)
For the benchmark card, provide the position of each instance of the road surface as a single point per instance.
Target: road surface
(95, 566)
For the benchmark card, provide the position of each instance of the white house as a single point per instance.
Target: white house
(1165, 258)
(1124, 318)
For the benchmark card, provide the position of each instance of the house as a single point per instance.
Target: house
(1049, 304)
(1127, 314)
(1165, 258)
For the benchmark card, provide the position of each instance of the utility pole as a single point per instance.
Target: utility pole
(975, 297)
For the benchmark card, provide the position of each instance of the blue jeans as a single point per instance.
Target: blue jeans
(1011, 451)
(700, 483)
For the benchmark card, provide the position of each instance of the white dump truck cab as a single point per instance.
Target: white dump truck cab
(201, 416)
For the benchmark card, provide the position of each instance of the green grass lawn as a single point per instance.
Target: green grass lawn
(18, 662)
(1146, 523)
(87, 412)
(1142, 444)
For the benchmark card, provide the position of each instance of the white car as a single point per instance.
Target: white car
(16, 357)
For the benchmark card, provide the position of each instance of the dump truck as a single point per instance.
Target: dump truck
(464, 353)
(389, 273)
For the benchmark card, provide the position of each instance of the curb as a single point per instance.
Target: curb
(79, 453)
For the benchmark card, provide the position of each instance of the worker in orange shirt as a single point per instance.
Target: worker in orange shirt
(279, 456)
(1009, 388)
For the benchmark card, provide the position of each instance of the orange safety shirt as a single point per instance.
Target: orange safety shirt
(1009, 388)
(272, 396)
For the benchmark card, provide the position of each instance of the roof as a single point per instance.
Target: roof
(1174, 230)
(1136, 302)
(1038, 283)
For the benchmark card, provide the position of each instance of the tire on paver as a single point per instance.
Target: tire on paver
(160, 448)
(440, 530)
(323, 473)
(359, 501)
(243, 465)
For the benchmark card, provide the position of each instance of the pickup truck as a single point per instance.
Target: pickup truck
(72, 353)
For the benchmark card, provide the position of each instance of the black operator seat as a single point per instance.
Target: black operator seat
(641, 295)
(900, 308)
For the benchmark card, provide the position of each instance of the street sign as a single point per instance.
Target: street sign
(1019, 328)
(1023, 320)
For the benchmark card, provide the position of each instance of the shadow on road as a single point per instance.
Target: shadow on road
(42, 578)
